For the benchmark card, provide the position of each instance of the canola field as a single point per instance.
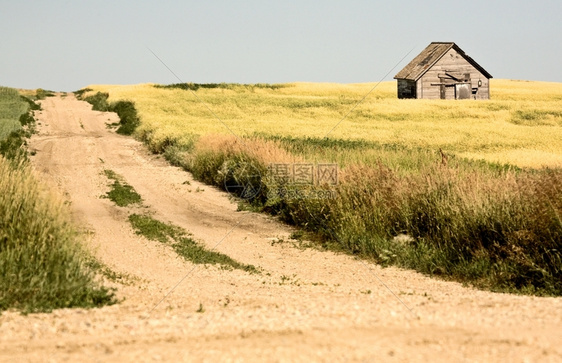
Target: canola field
(519, 125)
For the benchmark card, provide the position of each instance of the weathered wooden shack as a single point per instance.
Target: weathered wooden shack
(443, 71)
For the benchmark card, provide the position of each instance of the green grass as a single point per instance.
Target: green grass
(11, 108)
(16, 123)
(7, 126)
(126, 111)
(11, 105)
(12, 147)
(124, 195)
(181, 242)
(121, 193)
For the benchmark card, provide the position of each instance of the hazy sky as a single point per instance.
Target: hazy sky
(67, 45)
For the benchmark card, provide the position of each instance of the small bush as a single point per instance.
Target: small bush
(128, 116)
(32, 104)
(41, 94)
(13, 146)
(98, 101)
(80, 93)
(27, 119)
(126, 111)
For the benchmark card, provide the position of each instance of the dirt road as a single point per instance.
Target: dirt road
(306, 305)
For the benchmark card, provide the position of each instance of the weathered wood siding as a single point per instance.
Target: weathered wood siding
(452, 61)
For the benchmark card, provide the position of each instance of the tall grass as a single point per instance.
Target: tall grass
(41, 264)
(498, 228)
(11, 105)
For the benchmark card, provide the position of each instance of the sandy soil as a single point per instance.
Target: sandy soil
(306, 305)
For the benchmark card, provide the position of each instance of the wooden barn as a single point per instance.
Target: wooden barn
(443, 71)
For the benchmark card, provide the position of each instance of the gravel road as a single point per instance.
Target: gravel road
(305, 306)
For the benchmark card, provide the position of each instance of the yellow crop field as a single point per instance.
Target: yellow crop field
(520, 125)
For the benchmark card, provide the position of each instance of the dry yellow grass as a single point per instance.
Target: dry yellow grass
(520, 125)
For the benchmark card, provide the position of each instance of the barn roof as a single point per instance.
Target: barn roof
(429, 56)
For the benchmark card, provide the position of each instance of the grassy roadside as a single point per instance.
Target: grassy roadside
(490, 224)
(42, 264)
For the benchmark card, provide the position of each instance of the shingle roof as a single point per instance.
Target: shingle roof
(429, 56)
